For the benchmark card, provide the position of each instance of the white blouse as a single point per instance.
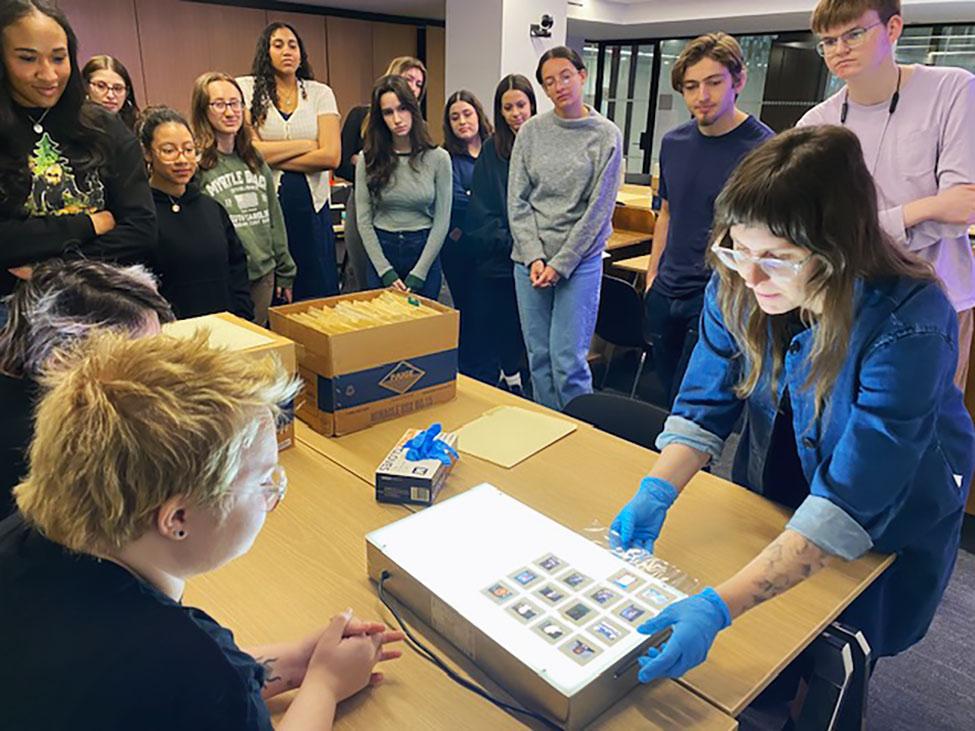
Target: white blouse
(301, 125)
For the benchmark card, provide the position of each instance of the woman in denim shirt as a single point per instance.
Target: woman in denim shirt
(841, 348)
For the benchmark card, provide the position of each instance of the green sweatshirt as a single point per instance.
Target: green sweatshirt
(252, 204)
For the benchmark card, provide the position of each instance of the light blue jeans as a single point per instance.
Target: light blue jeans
(558, 324)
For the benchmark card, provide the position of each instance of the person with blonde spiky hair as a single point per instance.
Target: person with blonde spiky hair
(154, 460)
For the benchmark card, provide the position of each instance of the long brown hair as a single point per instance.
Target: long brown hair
(380, 157)
(809, 186)
(203, 130)
(129, 112)
(453, 144)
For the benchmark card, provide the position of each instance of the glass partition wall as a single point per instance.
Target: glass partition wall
(629, 81)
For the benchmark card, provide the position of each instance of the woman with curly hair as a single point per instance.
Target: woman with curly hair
(71, 175)
(296, 121)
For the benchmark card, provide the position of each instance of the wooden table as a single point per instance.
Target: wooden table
(623, 238)
(637, 196)
(636, 264)
(309, 564)
(711, 532)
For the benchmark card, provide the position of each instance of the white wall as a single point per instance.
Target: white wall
(519, 51)
(473, 56)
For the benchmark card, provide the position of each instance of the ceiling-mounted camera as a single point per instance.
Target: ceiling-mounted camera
(543, 28)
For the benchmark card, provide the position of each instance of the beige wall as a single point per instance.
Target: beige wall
(166, 44)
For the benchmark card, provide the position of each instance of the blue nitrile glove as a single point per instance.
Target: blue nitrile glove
(640, 520)
(696, 621)
(425, 445)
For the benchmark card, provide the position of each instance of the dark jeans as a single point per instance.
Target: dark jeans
(458, 269)
(671, 326)
(310, 239)
(499, 345)
(402, 249)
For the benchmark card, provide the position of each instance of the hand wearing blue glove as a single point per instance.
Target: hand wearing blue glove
(696, 621)
(640, 520)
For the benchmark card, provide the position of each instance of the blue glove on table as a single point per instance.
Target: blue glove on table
(696, 621)
(640, 520)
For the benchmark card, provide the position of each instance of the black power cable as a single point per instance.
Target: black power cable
(428, 655)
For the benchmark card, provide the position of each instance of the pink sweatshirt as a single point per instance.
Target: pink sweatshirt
(926, 146)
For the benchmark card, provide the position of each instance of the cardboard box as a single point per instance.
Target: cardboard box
(549, 615)
(400, 480)
(234, 333)
(356, 379)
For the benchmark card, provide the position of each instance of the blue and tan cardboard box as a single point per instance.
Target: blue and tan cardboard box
(237, 334)
(356, 379)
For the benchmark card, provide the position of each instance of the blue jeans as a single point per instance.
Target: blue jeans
(558, 323)
(402, 249)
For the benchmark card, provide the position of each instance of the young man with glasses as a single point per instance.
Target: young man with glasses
(696, 159)
(915, 126)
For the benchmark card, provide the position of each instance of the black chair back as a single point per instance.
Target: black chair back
(620, 318)
(635, 421)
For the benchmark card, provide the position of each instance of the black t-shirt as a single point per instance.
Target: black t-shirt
(17, 396)
(87, 645)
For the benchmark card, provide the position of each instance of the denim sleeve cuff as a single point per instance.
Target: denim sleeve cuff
(831, 528)
(678, 430)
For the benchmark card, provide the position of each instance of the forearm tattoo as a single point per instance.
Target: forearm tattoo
(269, 673)
(786, 561)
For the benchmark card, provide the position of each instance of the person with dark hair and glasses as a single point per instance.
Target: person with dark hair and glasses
(71, 174)
(296, 121)
(465, 128)
(58, 306)
(200, 260)
(839, 347)
(502, 354)
(110, 86)
(565, 171)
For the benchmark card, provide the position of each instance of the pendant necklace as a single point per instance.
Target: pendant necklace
(38, 128)
(175, 208)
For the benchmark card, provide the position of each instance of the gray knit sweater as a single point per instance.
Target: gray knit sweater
(412, 201)
(562, 189)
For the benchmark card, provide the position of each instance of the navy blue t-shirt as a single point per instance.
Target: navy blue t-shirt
(693, 170)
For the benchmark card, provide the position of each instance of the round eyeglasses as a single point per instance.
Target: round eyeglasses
(272, 490)
(779, 269)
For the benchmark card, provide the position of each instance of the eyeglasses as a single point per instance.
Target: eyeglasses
(170, 153)
(273, 489)
(780, 269)
(851, 39)
(562, 79)
(117, 89)
(220, 106)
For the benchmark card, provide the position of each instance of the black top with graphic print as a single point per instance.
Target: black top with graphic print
(49, 216)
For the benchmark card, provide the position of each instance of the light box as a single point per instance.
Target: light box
(550, 615)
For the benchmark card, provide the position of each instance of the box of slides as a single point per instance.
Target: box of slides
(547, 613)
(370, 356)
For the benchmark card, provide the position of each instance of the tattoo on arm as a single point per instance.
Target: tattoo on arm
(269, 673)
(786, 561)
